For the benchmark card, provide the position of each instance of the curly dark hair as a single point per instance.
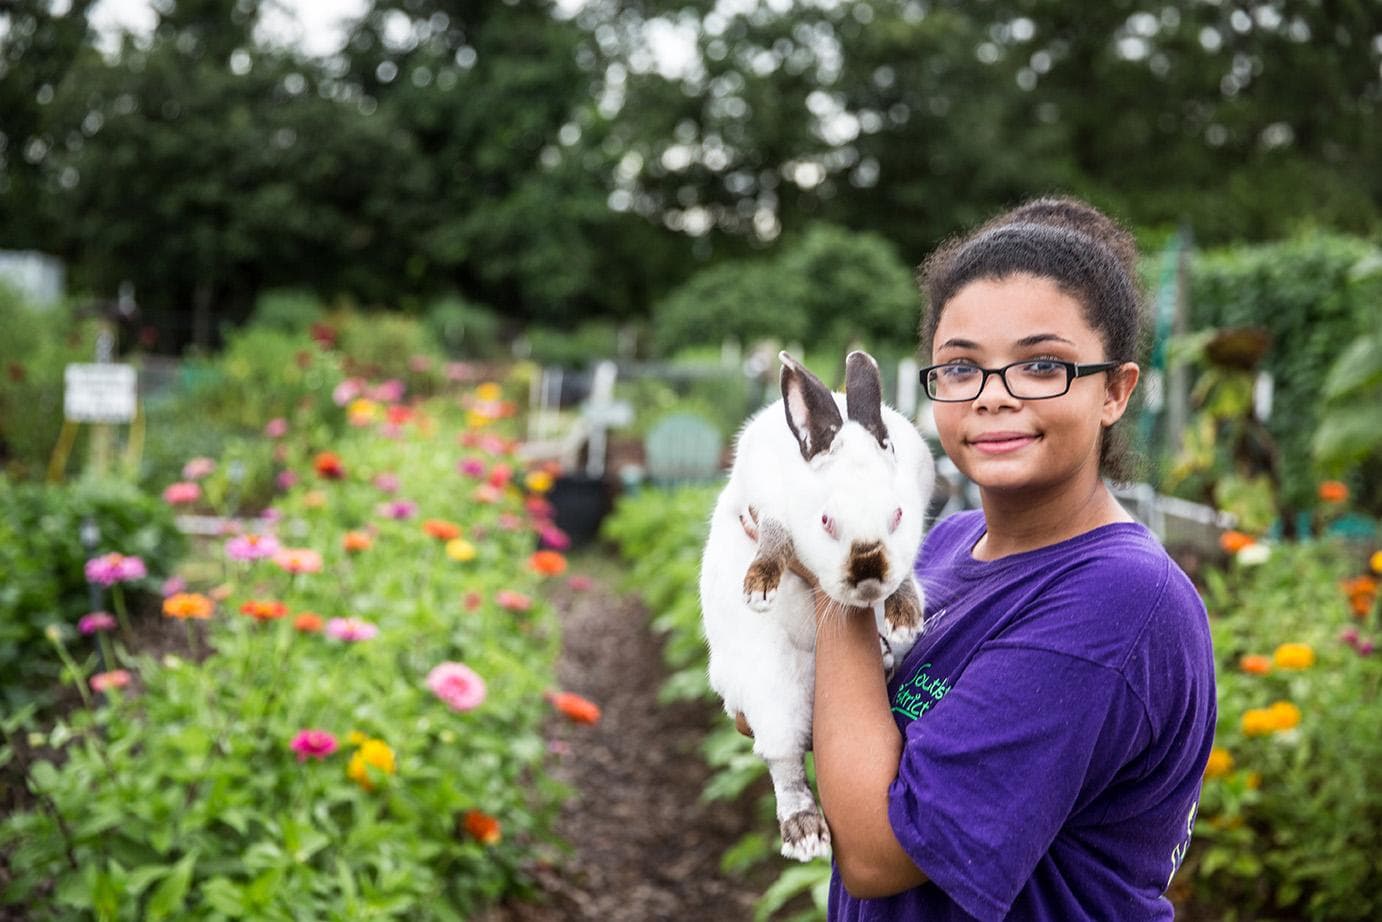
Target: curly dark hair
(1087, 254)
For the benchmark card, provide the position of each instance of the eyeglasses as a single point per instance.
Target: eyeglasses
(1034, 379)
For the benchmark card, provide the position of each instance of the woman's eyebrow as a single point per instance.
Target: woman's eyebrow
(959, 344)
(1040, 338)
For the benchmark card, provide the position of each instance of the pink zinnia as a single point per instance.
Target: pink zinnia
(389, 391)
(458, 685)
(317, 744)
(96, 622)
(513, 601)
(109, 569)
(387, 482)
(472, 467)
(347, 391)
(286, 480)
(252, 547)
(298, 560)
(351, 629)
(510, 522)
(197, 468)
(398, 509)
(553, 537)
(172, 586)
(182, 493)
(487, 493)
(116, 678)
(276, 428)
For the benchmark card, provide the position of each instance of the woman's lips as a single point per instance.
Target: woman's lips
(999, 443)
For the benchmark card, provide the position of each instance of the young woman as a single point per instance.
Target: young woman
(1038, 754)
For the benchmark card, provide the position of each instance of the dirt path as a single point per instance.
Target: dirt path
(645, 847)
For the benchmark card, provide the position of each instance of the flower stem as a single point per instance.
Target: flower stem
(118, 596)
(78, 676)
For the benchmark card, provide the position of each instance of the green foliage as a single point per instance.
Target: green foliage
(1316, 296)
(385, 345)
(831, 287)
(1293, 827)
(181, 797)
(661, 534)
(43, 558)
(464, 329)
(585, 345)
(287, 310)
(1349, 436)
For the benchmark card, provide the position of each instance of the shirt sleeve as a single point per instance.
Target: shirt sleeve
(993, 771)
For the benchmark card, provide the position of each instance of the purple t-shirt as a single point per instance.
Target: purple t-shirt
(1057, 716)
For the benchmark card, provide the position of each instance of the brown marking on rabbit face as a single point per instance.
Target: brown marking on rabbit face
(867, 560)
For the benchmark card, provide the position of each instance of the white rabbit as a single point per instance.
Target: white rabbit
(845, 495)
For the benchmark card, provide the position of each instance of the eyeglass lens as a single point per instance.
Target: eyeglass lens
(1024, 380)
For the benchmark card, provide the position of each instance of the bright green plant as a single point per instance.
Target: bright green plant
(1349, 436)
(1290, 825)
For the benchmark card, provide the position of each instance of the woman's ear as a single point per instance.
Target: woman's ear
(1121, 383)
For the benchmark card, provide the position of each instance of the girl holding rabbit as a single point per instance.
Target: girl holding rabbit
(1038, 754)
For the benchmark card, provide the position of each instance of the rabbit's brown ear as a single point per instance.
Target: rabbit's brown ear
(812, 414)
(864, 395)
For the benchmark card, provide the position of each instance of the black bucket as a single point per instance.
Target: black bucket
(581, 503)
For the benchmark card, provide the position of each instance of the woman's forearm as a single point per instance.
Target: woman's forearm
(857, 750)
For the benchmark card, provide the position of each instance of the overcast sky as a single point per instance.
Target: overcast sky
(314, 25)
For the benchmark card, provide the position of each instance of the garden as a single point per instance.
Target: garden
(363, 584)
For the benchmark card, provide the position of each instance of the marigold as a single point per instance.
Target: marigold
(1333, 491)
(309, 622)
(538, 481)
(441, 529)
(482, 827)
(1375, 562)
(547, 563)
(1294, 656)
(1258, 722)
(371, 754)
(1255, 664)
(264, 609)
(183, 605)
(1284, 716)
(1220, 763)
(1234, 541)
(461, 549)
(356, 541)
(576, 708)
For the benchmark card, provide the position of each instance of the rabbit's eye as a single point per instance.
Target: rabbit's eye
(829, 525)
(896, 519)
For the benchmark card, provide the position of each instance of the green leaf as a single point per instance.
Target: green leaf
(138, 880)
(795, 880)
(169, 895)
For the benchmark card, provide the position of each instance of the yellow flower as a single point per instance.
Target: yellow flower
(1375, 561)
(1220, 763)
(1252, 781)
(460, 549)
(355, 738)
(362, 411)
(1284, 715)
(489, 392)
(1258, 722)
(475, 420)
(538, 481)
(1294, 656)
(371, 754)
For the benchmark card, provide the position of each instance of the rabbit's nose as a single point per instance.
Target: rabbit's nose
(867, 561)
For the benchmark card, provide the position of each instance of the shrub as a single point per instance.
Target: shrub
(464, 329)
(286, 310)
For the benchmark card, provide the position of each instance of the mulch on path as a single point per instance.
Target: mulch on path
(644, 845)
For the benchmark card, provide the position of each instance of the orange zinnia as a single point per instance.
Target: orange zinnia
(1234, 541)
(264, 610)
(575, 708)
(184, 605)
(1255, 664)
(547, 563)
(356, 541)
(328, 464)
(1333, 491)
(441, 529)
(482, 827)
(308, 622)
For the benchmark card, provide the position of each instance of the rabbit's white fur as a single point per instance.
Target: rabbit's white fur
(762, 645)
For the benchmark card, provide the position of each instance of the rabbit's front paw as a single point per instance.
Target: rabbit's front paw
(761, 582)
(805, 836)
(889, 663)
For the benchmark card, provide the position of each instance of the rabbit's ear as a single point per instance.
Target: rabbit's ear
(812, 414)
(864, 395)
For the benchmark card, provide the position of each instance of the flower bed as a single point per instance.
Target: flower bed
(363, 739)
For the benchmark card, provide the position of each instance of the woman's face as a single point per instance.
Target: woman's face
(1004, 444)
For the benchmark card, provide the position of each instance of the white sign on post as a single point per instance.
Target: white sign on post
(101, 393)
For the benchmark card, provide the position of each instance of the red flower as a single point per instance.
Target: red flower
(264, 610)
(482, 827)
(441, 529)
(547, 563)
(575, 708)
(328, 465)
(309, 622)
(1333, 491)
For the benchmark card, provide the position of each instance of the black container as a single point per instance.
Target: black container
(581, 503)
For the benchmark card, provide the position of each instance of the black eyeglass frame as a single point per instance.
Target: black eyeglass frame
(1073, 370)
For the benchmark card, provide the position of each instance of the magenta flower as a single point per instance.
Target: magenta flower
(398, 509)
(286, 480)
(458, 685)
(182, 493)
(109, 569)
(351, 629)
(197, 468)
(276, 428)
(252, 547)
(472, 467)
(347, 391)
(316, 744)
(386, 482)
(103, 681)
(95, 622)
(390, 391)
(172, 586)
(553, 537)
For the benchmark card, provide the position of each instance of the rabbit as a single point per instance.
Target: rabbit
(845, 495)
